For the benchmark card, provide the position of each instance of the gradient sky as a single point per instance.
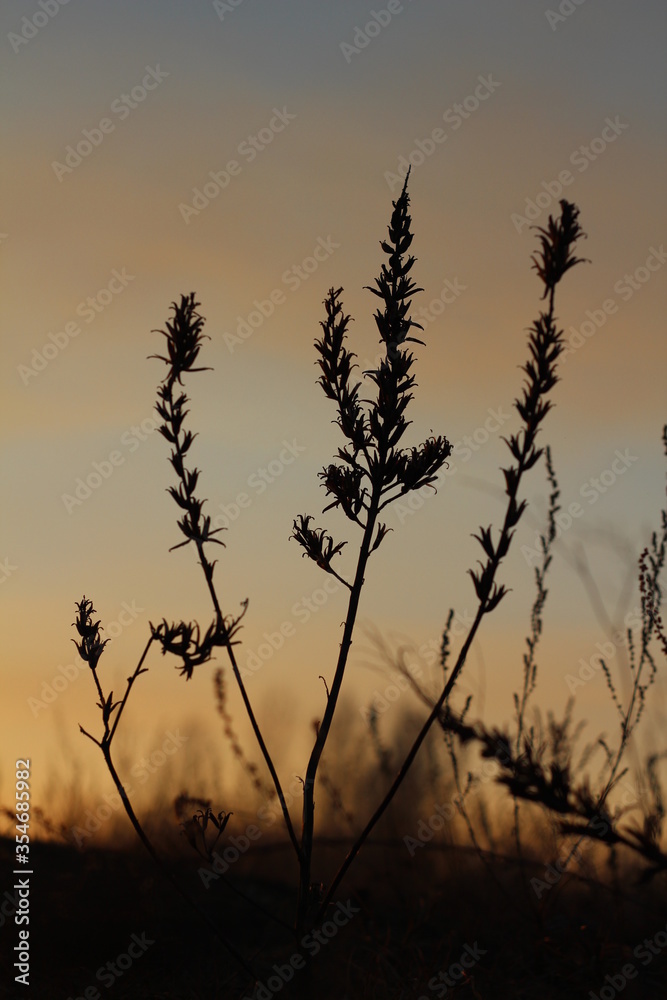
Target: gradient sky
(582, 94)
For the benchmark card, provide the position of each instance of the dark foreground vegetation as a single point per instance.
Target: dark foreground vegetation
(449, 925)
(568, 901)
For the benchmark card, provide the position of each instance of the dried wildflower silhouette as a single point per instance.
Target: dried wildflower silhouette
(90, 649)
(372, 470)
(184, 336)
(545, 344)
(540, 767)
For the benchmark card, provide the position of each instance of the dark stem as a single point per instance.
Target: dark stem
(325, 725)
(130, 682)
(207, 569)
(208, 573)
(524, 459)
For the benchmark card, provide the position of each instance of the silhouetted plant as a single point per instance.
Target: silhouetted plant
(545, 343)
(371, 471)
(90, 650)
(541, 769)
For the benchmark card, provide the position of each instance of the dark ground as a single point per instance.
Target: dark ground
(416, 919)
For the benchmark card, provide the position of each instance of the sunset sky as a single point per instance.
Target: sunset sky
(249, 152)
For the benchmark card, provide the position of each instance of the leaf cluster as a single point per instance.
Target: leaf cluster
(545, 344)
(372, 470)
(183, 339)
(92, 645)
(184, 639)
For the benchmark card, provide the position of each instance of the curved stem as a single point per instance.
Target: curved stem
(405, 767)
(325, 725)
(541, 384)
(207, 568)
(266, 754)
(208, 573)
(130, 682)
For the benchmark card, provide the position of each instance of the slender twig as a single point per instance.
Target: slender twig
(90, 649)
(532, 640)
(130, 682)
(651, 564)
(184, 335)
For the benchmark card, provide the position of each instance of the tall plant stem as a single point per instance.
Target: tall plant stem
(325, 725)
(405, 767)
(371, 456)
(208, 573)
(90, 650)
(533, 410)
(171, 414)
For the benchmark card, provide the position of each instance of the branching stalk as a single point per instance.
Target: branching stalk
(373, 471)
(545, 343)
(184, 335)
(90, 649)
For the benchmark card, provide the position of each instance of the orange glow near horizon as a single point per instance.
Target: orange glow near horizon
(309, 143)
